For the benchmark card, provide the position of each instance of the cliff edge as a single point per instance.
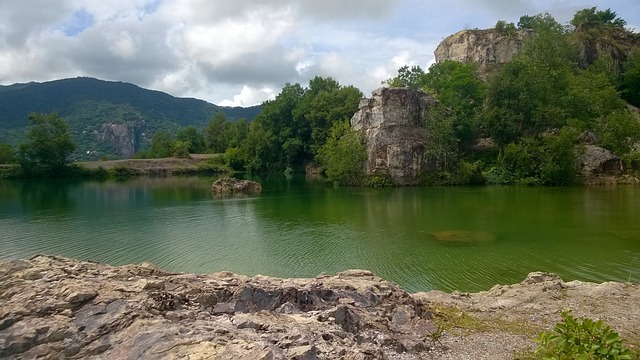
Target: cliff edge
(53, 307)
(488, 48)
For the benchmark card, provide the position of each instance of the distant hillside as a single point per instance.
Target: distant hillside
(87, 104)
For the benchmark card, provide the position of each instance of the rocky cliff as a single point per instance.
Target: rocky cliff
(609, 43)
(53, 308)
(124, 137)
(488, 48)
(392, 121)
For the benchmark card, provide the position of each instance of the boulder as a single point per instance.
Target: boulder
(598, 164)
(393, 124)
(230, 185)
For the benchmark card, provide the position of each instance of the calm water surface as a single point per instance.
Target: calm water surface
(422, 238)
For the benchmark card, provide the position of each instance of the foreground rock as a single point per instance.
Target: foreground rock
(53, 307)
(230, 185)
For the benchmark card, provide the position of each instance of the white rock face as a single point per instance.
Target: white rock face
(488, 48)
(393, 123)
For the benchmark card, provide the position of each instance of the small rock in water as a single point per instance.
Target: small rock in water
(229, 185)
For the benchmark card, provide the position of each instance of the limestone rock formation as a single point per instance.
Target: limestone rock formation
(125, 137)
(488, 48)
(613, 44)
(392, 121)
(56, 308)
(230, 185)
(597, 164)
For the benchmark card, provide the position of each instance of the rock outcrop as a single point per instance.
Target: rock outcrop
(125, 137)
(56, 308)
(598, 165)
(489, 48)
(230, 185)
(611, 44)
(392, 121)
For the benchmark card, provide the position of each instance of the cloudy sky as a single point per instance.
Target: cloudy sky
(241, 52)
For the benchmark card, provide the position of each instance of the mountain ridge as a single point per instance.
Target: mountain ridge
(88, 104)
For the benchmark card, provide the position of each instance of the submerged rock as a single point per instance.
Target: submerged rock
(463, 236)
(230, 185)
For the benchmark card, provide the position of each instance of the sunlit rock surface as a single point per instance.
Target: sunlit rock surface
(393, 124)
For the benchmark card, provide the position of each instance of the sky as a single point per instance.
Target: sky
(242, 52)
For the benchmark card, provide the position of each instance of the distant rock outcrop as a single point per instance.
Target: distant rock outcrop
(489, 48)
(230, 185)
(125, 137)
(393, 124)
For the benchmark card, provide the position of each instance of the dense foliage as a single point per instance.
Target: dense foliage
(533, 108)
(48, 147)
(292, 128)
(582, 338)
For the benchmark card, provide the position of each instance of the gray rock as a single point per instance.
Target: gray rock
(395, 137)
(230, 185)
(596, 161)
(488, 48)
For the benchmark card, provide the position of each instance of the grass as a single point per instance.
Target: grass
(451, 317)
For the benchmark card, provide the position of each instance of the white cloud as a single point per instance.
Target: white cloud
(249, 96)
(243, 51)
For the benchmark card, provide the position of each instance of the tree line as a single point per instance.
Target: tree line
(531, 111)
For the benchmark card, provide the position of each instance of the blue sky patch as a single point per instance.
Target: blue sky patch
(79, 22)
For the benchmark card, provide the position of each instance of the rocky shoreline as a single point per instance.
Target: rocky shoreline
(54, 307)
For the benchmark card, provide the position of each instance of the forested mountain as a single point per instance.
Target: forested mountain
(87, 104)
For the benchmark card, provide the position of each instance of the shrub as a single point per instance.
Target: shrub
(582, 338)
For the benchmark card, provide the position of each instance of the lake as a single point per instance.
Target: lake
(465, 238)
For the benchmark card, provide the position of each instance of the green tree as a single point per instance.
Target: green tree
(215, 138)
(161, 144)
(619, 131)
(443, 142)
(6, 154)
(49, 145)
(292, 127)
(193, 138)
(630, 77)
(343, 155)
(411, 77)
(539, 22)
(503, 27)
(594, 17)
(458, 89)
(530, 94)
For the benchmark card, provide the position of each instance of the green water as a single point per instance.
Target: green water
(422, 238)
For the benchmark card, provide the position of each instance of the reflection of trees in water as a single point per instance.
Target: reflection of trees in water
(47, 195)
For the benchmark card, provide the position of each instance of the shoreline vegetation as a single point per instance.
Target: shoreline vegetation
(59, 307)
(194, 165)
